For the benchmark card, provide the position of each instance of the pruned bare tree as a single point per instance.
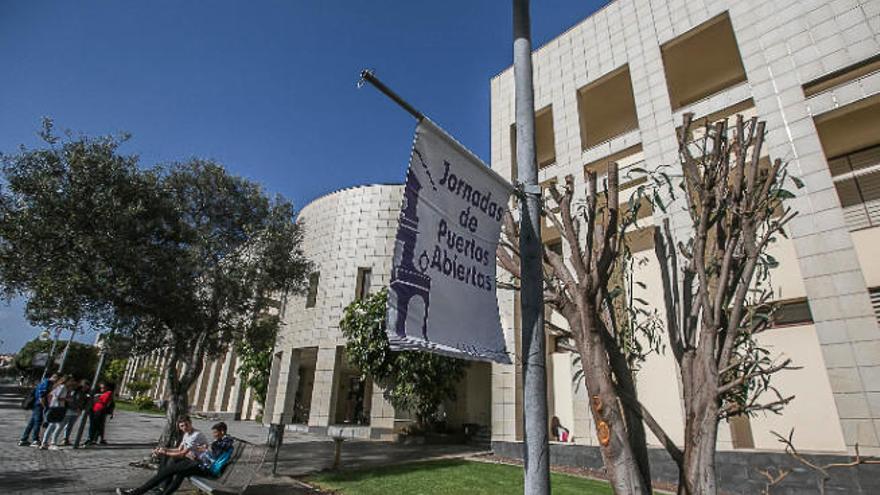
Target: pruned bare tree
(716, 288)
(581, 288)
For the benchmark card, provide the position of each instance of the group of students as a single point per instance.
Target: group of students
(55, 405)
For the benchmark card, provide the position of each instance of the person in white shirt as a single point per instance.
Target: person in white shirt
(180, 460)
(57, 401)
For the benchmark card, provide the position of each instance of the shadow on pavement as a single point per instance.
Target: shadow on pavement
(15, 481)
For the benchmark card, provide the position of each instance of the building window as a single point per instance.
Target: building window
(363, 283)
(793, 313)
(874, 292)
(856, 177)
(312, 298)
(702, 62)
(606, 108)
(545, 141)
(554, 246)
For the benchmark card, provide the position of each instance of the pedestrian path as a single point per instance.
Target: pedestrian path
(100, 469)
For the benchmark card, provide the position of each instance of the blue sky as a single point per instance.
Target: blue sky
(265, 87)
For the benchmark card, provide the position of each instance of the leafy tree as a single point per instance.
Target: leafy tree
(143, 380)
(114, 371)
(185, 258)
(414, 381)
(255, 354)
(81, 360)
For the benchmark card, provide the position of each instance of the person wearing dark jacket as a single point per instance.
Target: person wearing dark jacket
(36, 420)
(76, 407)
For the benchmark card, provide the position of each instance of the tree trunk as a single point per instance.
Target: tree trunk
(625, 472)
(178, 385)
(700, 384)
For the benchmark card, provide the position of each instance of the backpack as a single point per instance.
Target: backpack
(220, 462)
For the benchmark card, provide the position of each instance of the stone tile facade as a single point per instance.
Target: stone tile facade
(783, 46)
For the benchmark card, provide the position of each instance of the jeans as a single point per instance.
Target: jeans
(34, 424)
(172, 473)
(53, 432)
(69, 421)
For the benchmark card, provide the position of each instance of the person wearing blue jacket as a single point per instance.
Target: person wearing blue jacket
(36, 420)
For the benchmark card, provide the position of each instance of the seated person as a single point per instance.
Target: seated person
(193, 457)
(558, 432)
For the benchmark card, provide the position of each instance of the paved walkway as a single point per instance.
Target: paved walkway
(97, 470)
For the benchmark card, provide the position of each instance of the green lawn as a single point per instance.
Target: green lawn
(447, 477)
(124, 405)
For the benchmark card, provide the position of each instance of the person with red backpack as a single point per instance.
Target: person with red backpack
(102, 406)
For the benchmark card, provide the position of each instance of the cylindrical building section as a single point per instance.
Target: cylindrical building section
(349, 236)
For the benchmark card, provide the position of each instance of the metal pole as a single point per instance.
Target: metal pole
(370, 77)
(536, 439)
(66, 350)
(82, 421)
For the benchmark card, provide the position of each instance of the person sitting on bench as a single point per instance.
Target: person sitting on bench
(194, 457)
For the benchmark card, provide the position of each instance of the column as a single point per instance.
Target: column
(382, 414)
(324, 392)
(201, 386)
(236, 395)
(285, 390)
(272, 386)
(213, 377)
(227, 380)
(163, 370)
(155, 358)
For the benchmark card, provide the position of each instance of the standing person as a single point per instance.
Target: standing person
(58, 398)
(76, 405)
(98, 413)
(36, 420)
(108, 411)
(194, 457)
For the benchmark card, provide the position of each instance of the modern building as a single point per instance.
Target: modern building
(615, 86)
(349, 236)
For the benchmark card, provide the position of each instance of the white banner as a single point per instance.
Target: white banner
(442, 292)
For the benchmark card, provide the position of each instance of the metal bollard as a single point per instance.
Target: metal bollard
(338, 455)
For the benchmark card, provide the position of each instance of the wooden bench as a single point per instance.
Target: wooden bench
(244, 464)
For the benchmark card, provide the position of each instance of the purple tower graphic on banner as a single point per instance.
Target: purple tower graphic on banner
(407, 282)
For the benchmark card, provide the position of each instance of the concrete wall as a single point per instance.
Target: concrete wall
(739, 472)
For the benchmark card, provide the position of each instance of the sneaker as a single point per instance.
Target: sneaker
(120, 491)
(103, 442)
(65, 443)
(35, 443)
(23, 443)
(44, 447)
(54, 447)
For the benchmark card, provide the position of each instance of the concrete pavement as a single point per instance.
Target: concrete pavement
(100, 469)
